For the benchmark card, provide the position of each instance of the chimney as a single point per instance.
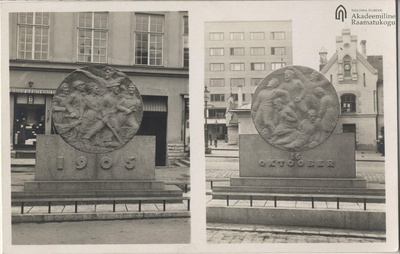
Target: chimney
(240, 96)
(363, 44)
(322, 58)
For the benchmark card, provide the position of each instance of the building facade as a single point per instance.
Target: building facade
(358, 80)
(238, 55)
(151, 48)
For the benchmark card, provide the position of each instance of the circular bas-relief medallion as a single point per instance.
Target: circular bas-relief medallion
(295, 108)
(97, 109)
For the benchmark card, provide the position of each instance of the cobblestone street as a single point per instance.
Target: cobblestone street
(229, 233)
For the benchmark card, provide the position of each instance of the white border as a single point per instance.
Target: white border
(304, 16)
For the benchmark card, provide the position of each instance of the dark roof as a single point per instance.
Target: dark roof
(377, 63)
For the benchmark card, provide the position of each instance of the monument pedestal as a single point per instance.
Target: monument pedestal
(63, 171)
(326, 169)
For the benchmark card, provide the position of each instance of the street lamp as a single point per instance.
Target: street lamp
(206, 98)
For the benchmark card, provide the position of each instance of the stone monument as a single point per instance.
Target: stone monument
(96, 112)
(295, 110)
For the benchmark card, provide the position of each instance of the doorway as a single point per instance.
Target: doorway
(155, 124)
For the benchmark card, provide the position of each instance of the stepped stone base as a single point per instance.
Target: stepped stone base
(64, 172)
(299, 182)
(166, 191)
(58, 186)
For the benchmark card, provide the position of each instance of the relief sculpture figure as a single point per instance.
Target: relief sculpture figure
(295, 108)
(285, 131)
(101, 114)
(296, 89)
(263, 108)
(328, 110)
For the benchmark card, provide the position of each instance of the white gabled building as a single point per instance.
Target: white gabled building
(358, 81)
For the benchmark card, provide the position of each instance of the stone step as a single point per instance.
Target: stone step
(179, 164)
(186, 162)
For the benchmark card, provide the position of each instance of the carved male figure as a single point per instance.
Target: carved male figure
(263, 108)
(296, 90)
(328, 111)
(308, 133)
(285, 131)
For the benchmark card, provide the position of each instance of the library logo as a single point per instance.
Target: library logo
(341, 13)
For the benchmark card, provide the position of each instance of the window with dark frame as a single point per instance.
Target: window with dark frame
(33, 35)
(257, 66)
(278, 51)
(348, 103)
(277, 35)
(237, 51)
(149, 39)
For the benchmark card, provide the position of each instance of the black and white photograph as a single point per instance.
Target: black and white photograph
(295, 128)
(281, 136)
(99, 109)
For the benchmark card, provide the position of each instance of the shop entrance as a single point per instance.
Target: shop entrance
(29, 120)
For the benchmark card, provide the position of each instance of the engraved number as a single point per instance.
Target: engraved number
(106, 162)
(81, 162)
(130, 162)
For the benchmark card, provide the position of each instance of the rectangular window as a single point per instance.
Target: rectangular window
(216, 113)
(217, 67)
(237, 82)
(237, 51)
(217, 82)
(216, 36)
(258, 51)
(92, 37)
(277, 35)
(275, 66)
(185, 41)
(257, 66)
(257, 36)
(237, 66)
(217, 97)
(216, 51)
(255, 81)
(149, 39)
(236, 36)
(278, 51)
(33, 35)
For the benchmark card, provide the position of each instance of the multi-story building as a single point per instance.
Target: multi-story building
(238, 54)
(358, 80)
(151, 48)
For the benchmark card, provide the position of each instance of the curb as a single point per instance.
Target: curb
(302, 232)
(24, 218)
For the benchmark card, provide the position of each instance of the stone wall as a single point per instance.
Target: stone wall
(175, 152)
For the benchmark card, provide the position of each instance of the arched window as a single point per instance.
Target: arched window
(347, 66)
(348, 103)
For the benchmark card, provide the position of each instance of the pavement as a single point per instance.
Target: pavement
(243, 233)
